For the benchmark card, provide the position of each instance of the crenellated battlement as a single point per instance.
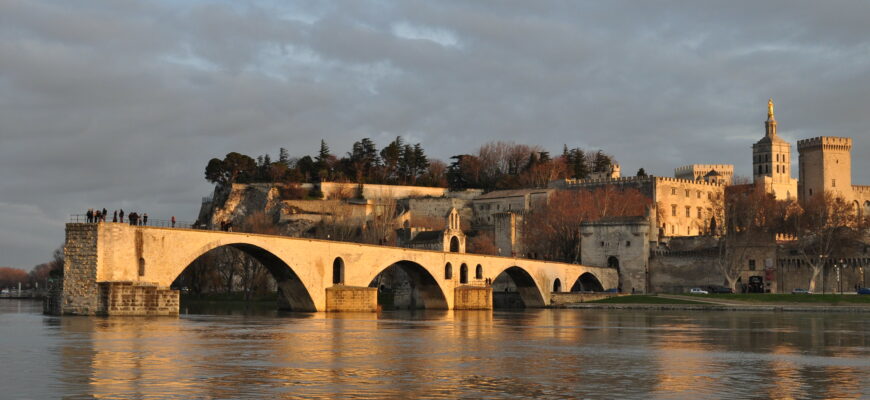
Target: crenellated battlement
(569, 183)
(693, 167)
(826, 142)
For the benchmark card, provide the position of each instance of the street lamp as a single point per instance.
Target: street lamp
(839, 283)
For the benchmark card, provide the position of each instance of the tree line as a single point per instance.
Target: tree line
(495, 165)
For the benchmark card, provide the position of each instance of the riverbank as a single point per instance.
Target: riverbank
(761, 302)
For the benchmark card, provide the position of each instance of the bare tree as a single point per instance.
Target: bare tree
(825, 226)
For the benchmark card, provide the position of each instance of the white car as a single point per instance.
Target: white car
(697, 291)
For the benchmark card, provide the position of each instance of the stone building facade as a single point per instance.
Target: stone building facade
(825, 164)
(685, 207)
(714, 173)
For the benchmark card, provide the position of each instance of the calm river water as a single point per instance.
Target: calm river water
(534, 353)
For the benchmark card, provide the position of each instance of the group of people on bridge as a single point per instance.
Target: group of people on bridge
(134, 218)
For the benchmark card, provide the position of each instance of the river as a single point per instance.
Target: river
(435, 354)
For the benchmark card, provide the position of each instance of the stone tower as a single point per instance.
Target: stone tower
(771, 161)
(825, 164)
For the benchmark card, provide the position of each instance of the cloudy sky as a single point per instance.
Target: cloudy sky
(121, 103)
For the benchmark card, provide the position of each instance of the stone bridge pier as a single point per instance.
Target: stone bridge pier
(119, 269)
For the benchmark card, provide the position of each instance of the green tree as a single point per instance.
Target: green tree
(641, 172)
(391, 156)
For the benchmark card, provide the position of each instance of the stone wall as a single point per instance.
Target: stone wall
(338, 190)
(472, 298)
(80, 291)
(562, 298)
(351, 298)
(679, 272)
(793, 273)
(129, 298)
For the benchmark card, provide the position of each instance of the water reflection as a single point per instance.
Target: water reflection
(437, 354)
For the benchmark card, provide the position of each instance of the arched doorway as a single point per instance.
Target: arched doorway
(515, 288)
(463, 274)
(407, 285)
(338, 271)
(454, 244)
(245, 268)
(448, 271)
(557, 286)
(478, 272)
(613, 262)
(587, 283)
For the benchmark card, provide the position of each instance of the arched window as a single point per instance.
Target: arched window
(478, 272)
(557, 286)
(463, 274)
(448, 271)
(454, 244)
(338, 271)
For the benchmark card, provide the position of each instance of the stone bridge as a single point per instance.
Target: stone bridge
(119, 269)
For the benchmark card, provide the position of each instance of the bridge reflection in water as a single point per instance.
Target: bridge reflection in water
(449, 354)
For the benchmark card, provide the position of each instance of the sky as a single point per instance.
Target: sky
(120, 104)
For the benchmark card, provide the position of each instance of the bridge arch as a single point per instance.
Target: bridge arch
(517, 288)
(587, 282)
(293, 293)
(420, 290)
(557, 285)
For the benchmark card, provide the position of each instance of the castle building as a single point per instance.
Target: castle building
(685, 207)
(722, 174)
(825, 165)
(771, 161)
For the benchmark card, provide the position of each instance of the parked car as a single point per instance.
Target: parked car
(720, 289)
(864, 290)
(800, 291)
(698, 291)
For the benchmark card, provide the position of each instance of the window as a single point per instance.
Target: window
(687, 192)
(709, 195)
(833, 183)
(478, 272)
(699, 212)
(688, 211)
(602, 244)
(448, 271)
(628, 243)
(811, 192)
(752, 265)
(699, 194)
(673, 191)
(673, 210)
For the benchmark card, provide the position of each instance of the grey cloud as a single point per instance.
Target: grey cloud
(121, 104)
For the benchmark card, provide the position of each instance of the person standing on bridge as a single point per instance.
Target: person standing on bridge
(121, 216)
(145, 219)
(105, 214)
(115, 216)
(90, 215)
(173, 221)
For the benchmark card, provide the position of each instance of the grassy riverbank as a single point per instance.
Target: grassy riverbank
(776, 298)
(642, 299)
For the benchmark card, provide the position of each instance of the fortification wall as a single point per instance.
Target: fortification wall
(339, 190)
(677, 273)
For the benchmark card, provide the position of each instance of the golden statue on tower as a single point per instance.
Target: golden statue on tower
(770, 108)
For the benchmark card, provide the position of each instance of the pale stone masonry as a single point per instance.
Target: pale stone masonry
(119, 269)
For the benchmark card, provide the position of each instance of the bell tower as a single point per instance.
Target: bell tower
(771, 160)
